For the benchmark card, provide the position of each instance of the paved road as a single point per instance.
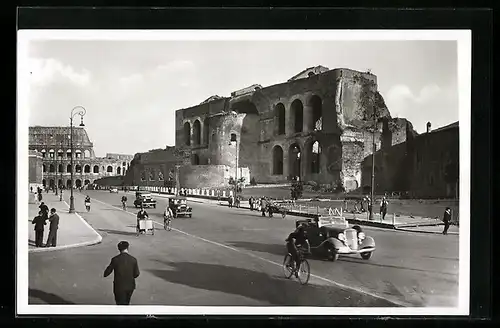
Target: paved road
(227, 256)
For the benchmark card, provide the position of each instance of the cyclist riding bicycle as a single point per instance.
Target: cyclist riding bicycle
(124, 201)
(167, 216)
(141, 215)
(297, 239)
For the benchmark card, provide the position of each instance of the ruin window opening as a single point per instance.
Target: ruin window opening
(151, 175)
(68, 168)
(109, 169)
(51, 153)
(44, 168)
(119, 170)
(52, 169)
(160, 176)
(78, 169)
(86, 169)
(78, 183)
(294, 161)
(315, 157)
(187, 134)
(280, 119)
(96, 168)
(143, 176)
(195, 159)
(317, 113)
(277, 160)
(60, 168)
(78, 154)
(68, 153)
(298, 115)
(196, 133)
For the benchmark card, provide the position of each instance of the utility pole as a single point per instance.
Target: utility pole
(177, 182)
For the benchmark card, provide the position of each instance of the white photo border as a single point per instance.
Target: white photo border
(464, 53)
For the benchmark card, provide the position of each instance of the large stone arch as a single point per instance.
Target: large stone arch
(68, 168)
(195, 159)
(109, 169)
(314, 157)
(294, 160)
(297, 116)
(60, 168)
(78, 168)
(96, 169)
(315, 112)
(279, 119)
(52, 168)
(187, 133)
(196, 133)
(277, 157)
(86, 168)
(119, 170)
(78, 183)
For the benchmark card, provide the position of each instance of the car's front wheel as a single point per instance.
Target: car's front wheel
(333, 255)
(366, 255)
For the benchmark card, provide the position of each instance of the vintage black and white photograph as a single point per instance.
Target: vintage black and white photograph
(243, 172)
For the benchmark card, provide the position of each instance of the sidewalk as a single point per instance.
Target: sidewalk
(73, 230)
(453, 230)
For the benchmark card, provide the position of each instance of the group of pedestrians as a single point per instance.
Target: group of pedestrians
(40, 221)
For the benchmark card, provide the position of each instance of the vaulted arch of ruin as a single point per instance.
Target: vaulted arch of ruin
(86, 169)
(315, 157)
(315, 114)
(96, 168)
(296, 116)
(279, 119)
(195, 159)
(294, 160)
(187, 134)
(196, 133)
(277, 160)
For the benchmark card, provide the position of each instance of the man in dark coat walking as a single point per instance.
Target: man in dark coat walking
(54, 225)
(39, 222)
(126, 271)
(45, 210)
(446, 220)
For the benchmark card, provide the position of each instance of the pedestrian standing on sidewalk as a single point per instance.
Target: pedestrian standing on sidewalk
(39, 222)
(383, 208)
(446, 220)
(54, 225)
(370, 208)
(250, 203)
(126, 271)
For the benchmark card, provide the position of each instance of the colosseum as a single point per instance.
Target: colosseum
(310, 128)
(50, 148)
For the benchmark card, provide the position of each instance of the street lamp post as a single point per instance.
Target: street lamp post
(235, 140)
(79, 111)
(372, 192)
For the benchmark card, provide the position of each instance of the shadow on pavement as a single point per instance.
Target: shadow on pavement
(275, 249)
(276, 290)
(118, 232)
(369, 262)
(31, 242)
(47, 297)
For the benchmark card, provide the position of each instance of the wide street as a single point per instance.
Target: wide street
(233, 257)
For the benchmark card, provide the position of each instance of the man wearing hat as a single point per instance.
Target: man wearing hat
(126, 270)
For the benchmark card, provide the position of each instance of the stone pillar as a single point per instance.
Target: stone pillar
(308, 124)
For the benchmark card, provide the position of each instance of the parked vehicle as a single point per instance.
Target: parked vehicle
(179, 207)
(113, 190)
(333, 237)
(144, 199)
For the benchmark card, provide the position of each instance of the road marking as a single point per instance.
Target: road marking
(355, 289)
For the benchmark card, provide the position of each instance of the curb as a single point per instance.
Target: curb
(95, 241)
(428, 232)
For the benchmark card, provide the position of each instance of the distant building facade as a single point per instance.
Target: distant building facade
(54, 149)
(425, 165)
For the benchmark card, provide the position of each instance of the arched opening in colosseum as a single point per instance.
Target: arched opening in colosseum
(86, 169)
(60, 168)
(86, 153)
(277, 160)
(315, 157)
(78, 183)
(59, 183)
(297, 114)
(86, 182)
(52, 183)
(44, 168)
(124, 164)
(68, 168)
(279, 112)
(195, 159)
(187, 134)
(119, 170)
(317, 113)
(294, 160)
(60, 154)
(68, 183)
(52, 168)
(206, 130)
(78, 168)
(109, 169)
(52, 154)
(43, 151)
(96, 168)
(44, 183)
(245, 107)
(78, 154)
(196, 133)
(68, 153)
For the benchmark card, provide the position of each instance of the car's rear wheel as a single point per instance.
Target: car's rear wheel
(366, 255)
(332, 253)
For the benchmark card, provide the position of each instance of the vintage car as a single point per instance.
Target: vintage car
(179, 207)
(332, 236)
(113, 190)
(144, 199)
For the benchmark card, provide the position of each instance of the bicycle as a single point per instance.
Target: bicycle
(303, 272)
(124, 206)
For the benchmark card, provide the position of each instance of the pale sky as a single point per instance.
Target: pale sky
(131, 89)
